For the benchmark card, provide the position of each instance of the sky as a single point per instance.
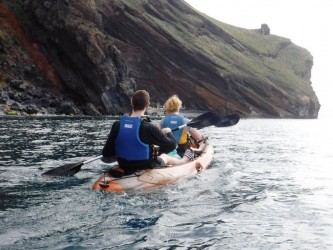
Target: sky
(308, 23)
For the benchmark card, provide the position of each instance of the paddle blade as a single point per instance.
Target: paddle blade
(65, 170)
(217, 113)
(229, 120)
(207, 119)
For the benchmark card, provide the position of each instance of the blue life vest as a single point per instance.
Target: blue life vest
(128, 144)
(173, 121)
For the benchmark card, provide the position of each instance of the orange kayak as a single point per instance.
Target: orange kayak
(155, 178)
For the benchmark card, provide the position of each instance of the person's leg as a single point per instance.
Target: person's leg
(196, 134)
(199, 138)
(168, 160)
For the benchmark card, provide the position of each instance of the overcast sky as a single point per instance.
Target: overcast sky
(308, 23)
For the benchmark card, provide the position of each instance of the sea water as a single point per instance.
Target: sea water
(270, 186)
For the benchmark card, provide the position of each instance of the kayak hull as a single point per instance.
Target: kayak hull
(155, 178)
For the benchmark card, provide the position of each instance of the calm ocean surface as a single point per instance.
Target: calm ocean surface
(270, 186)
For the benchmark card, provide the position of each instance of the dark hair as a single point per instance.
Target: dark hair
(140, 99)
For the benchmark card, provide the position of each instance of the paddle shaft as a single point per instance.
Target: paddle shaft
(92, 159)
(180, 127)
(183, 126)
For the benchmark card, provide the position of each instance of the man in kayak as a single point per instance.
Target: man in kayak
(131, 139)
(172, 120)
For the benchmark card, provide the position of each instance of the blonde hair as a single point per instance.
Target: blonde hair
(173, 104)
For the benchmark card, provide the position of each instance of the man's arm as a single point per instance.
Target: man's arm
(151, 134)
(109, 146)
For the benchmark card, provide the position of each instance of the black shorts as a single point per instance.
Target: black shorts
(182, 148)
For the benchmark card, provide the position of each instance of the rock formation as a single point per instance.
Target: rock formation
(265, 30)
(89, 56)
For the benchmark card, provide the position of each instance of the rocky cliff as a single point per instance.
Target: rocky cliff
(89, 56)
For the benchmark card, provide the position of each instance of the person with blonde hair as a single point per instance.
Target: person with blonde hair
(173, 120)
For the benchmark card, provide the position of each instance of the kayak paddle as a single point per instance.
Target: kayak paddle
(205, 120)
(69, 169)
(229, 120)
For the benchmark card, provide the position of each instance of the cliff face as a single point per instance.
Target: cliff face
(95, 54)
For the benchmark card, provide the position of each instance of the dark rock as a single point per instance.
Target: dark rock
(265, 30)
(90, 109)
(54, 103)
(16, 83)
(3, 97)
(16, 106)
(45, 102)
(30, 109)
(67, 109)
(11, 94)
(31, 71)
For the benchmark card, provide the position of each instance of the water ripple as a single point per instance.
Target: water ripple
(269, 187)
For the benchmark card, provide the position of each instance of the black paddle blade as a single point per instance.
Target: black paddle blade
(229, 120)
(207, 119)
(217, 113)
(65, 170)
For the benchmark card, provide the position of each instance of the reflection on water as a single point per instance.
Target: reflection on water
(270, 186)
